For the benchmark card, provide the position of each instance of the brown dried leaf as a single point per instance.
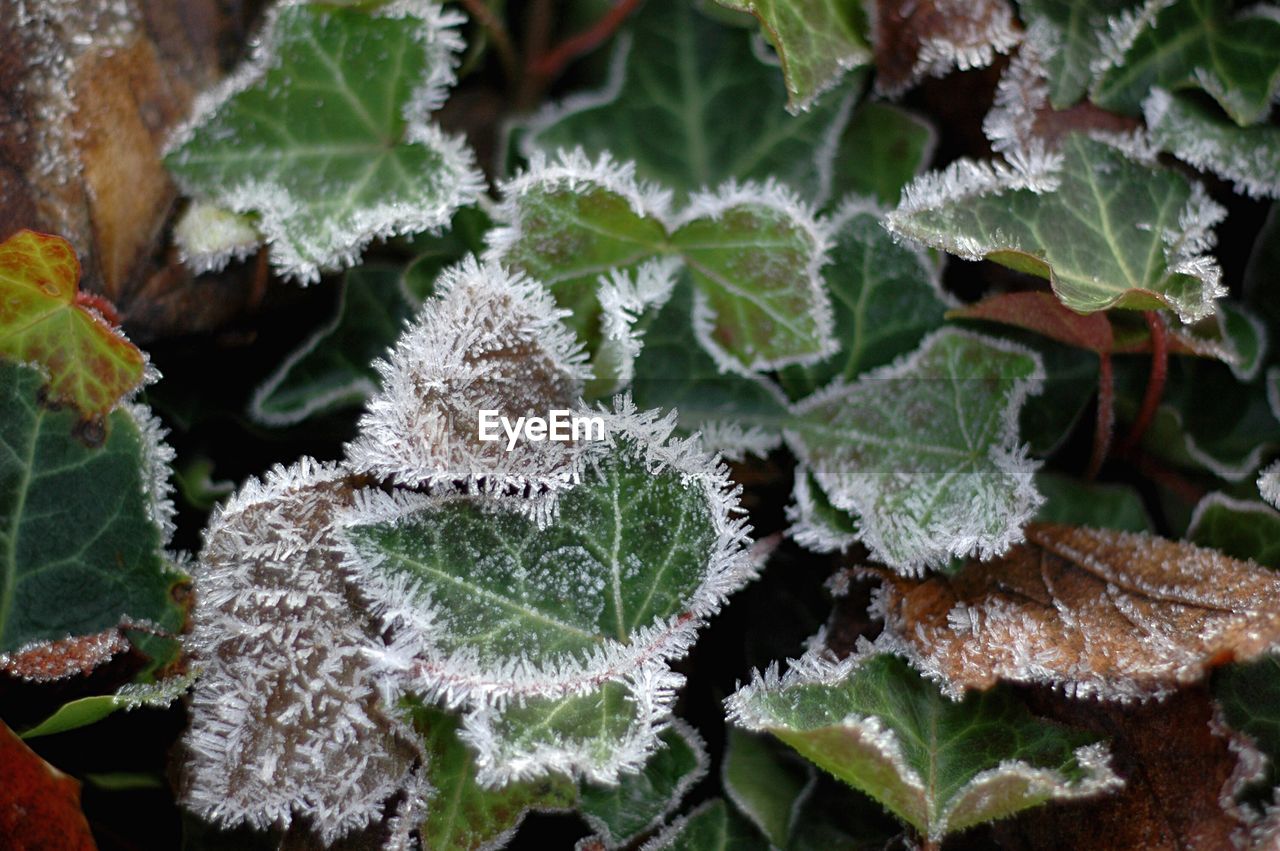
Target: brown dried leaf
(1176, 771)
(39, 805)
(919, 38)
(1099, 613)
(54, 660)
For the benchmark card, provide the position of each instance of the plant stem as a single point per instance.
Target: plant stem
(1155, 381)
(1105, 423)
(549, 65)
(479, 10)
(537, 34)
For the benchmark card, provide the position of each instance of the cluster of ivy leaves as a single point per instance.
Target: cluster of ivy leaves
(741, 227)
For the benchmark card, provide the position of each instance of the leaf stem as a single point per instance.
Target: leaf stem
(1155, 381)
(479, 10)
(549, 65)
(1105, 423)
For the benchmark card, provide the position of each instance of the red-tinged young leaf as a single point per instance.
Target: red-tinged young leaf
(39, 805)
(1098, 613)
(67, 657)
(930, 37)
(1042, 313)
(44, 321)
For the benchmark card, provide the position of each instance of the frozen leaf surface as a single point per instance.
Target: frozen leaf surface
(1269, 484)
(929, 38)
(1232, 55)
(639, 802)
(925, 451)
(677, 88)
(334, 368)
(886, 297)
(937, 764)
(285, 720)
(39, 805)
(209, 237)
(1247, 156)
(1105, 230)
(713, 826)
(1076, 32)
(324, 133)
(1243, 529)
(754, 253)
(816, 524)
(818, 42)
(1063, 609)
(488, 339)
(46, 322)
(82, 533)
(464, 816)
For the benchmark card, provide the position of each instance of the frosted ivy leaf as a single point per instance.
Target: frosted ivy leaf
(816, 524)
(711, 826)
(915, 39)
(1105, 230)
(1269, 484)
(1064, 609)
(323, 135)
(1242, 529)
(1076, 32)
(818, 42)
(638, 803)
(679, 82)
(941, 766)
(285, 720)
(754, 253)
(503, 615)
(1084, 503)
(209, 237)
(1232, 55)
(925, 451)
(488, 340)
(1247, 156)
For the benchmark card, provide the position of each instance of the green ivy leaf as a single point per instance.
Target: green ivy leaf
(885, 298)
(939, 765)
(544, 626)
(764, 786)
(818, 42)
(1074, 32)
(713, 826)
(333, 368)
(90, 710)
(816, 524)
(463, 815)
(1249, 695)
(83, 529)
(47, 322)
(324, 135)
(753, 253)
(1105, 230)
(678, 86)
(1247, 156)
(1075, 502)
(881, 150)
(1235, 57)
(1243, 529)
(639, 802)
(925, 451)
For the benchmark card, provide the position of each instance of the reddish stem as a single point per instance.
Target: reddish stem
(1171, 480)
(1105, 422)
(479, 10)
(549, 65)
(1155, 381)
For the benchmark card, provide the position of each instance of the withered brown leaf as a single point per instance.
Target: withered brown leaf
(918, 38)
(39, 805)
(1098, 613)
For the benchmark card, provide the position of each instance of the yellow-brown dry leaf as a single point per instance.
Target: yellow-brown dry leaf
(1099, 613)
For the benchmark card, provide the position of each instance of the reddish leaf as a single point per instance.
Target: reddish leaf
(54, 660)
(39, 805)
(1099, 613)
(915, 38)
(86, 362)
(1042, 313)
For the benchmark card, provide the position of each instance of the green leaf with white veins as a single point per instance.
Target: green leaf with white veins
(1105, 230)
(1076, 31)
(925, 451)
(678, 88)
(324, 135)
(1234, 56)
(754, 254)
(1247, 156)
(82, 529)
(818, 42)
(939, 765)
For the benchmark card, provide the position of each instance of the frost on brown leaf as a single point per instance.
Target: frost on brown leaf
(915, 39)
(55, 660)
(1112, 615)
(39, 805)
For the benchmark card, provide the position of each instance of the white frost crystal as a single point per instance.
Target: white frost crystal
(209, 237)
(1269, 484)
(286, 721)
